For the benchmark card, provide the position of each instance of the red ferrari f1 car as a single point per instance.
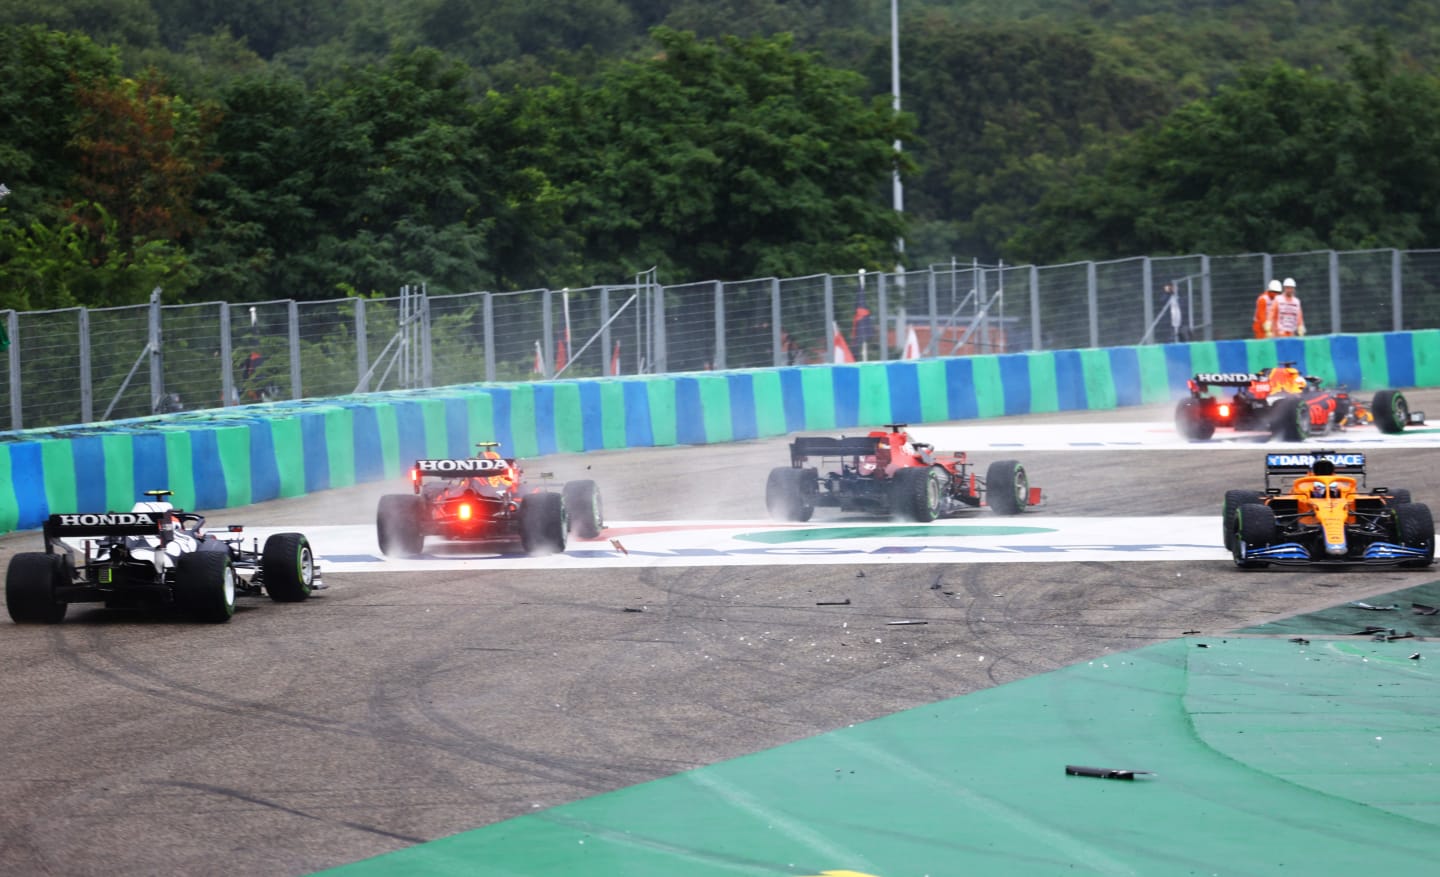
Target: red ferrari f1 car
(888, 473)
(1287, 404)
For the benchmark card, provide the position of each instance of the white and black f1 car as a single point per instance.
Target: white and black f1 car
(154, 555)
(1326, 515)
(484, 499)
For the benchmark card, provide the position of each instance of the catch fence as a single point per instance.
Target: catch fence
(84, 365)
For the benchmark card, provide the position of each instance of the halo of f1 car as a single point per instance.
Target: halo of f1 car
(154, 555)
(1287, 404)
(1327, 515)
(887, 473)
(485, 499)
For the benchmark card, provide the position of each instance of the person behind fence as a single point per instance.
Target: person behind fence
(1179, 330)
(1286, 316)
(1261, 324)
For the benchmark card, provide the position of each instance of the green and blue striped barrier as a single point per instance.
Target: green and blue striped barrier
(232, 457)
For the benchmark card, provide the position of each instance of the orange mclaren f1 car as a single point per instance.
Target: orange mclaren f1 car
(1326, 515)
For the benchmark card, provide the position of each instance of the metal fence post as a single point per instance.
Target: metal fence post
(227, 372)
(487, 331)
(427, 364)
(778, 348)
(12, 328)
(829, 297)
(932, 304)
(1147, 285)
(294, 340)
(605, 349)
(87, 380)
(1035, 327)
(662, 354)
(1092, 295)
(1207, 306)
(1334, 293)
(362, 355)
(547, 328)
(1397, 294)
(1267, 267)
(720, 351)
(882, 303)
(157, 366)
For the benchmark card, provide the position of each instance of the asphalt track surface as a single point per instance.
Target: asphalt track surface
(393, 709)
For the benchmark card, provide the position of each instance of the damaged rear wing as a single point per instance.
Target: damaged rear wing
(824, 446)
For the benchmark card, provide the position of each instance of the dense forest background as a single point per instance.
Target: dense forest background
(250, 150)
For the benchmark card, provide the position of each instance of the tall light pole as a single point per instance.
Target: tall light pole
(899, 190)
(895, 100)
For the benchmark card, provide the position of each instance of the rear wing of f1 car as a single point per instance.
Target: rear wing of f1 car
(825, 446)
(472, 467)
(1225, 379)
(1290, 465)
(99, 525)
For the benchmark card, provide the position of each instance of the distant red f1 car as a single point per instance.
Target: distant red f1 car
(890, 474)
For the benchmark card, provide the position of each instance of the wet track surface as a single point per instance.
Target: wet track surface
(398, 708)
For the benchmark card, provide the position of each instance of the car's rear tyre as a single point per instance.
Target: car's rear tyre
(1255, 526)
(789, 493)
(543, 526)
(1399, 496)
(1290, 420)
(916, 493)
(1234, 499)
(205, 586)
(397, 525)
(287, 566)
(1007, 487)
(30, 588)
(582, 504)
(1415, 528)
(1391, 410)
(1191, 422)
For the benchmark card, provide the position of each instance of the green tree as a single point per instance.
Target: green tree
(723, 159)
(1283, 160)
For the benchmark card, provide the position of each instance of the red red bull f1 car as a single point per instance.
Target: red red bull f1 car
(887, 473)
(485, 499)
(1286, 404)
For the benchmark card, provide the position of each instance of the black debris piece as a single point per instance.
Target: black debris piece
(1188, 632)
(1422, 609)
(845, 602)
(860, 574)
(1202, 645)
(632, 609)
(1359, 605)
(892, 623)
(1104, 773)
(1371, 630)
(1300, 640)
(1415, 657)
(1392, 636)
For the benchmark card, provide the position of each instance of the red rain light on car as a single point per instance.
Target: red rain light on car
(464, 512)
(1224, 410)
